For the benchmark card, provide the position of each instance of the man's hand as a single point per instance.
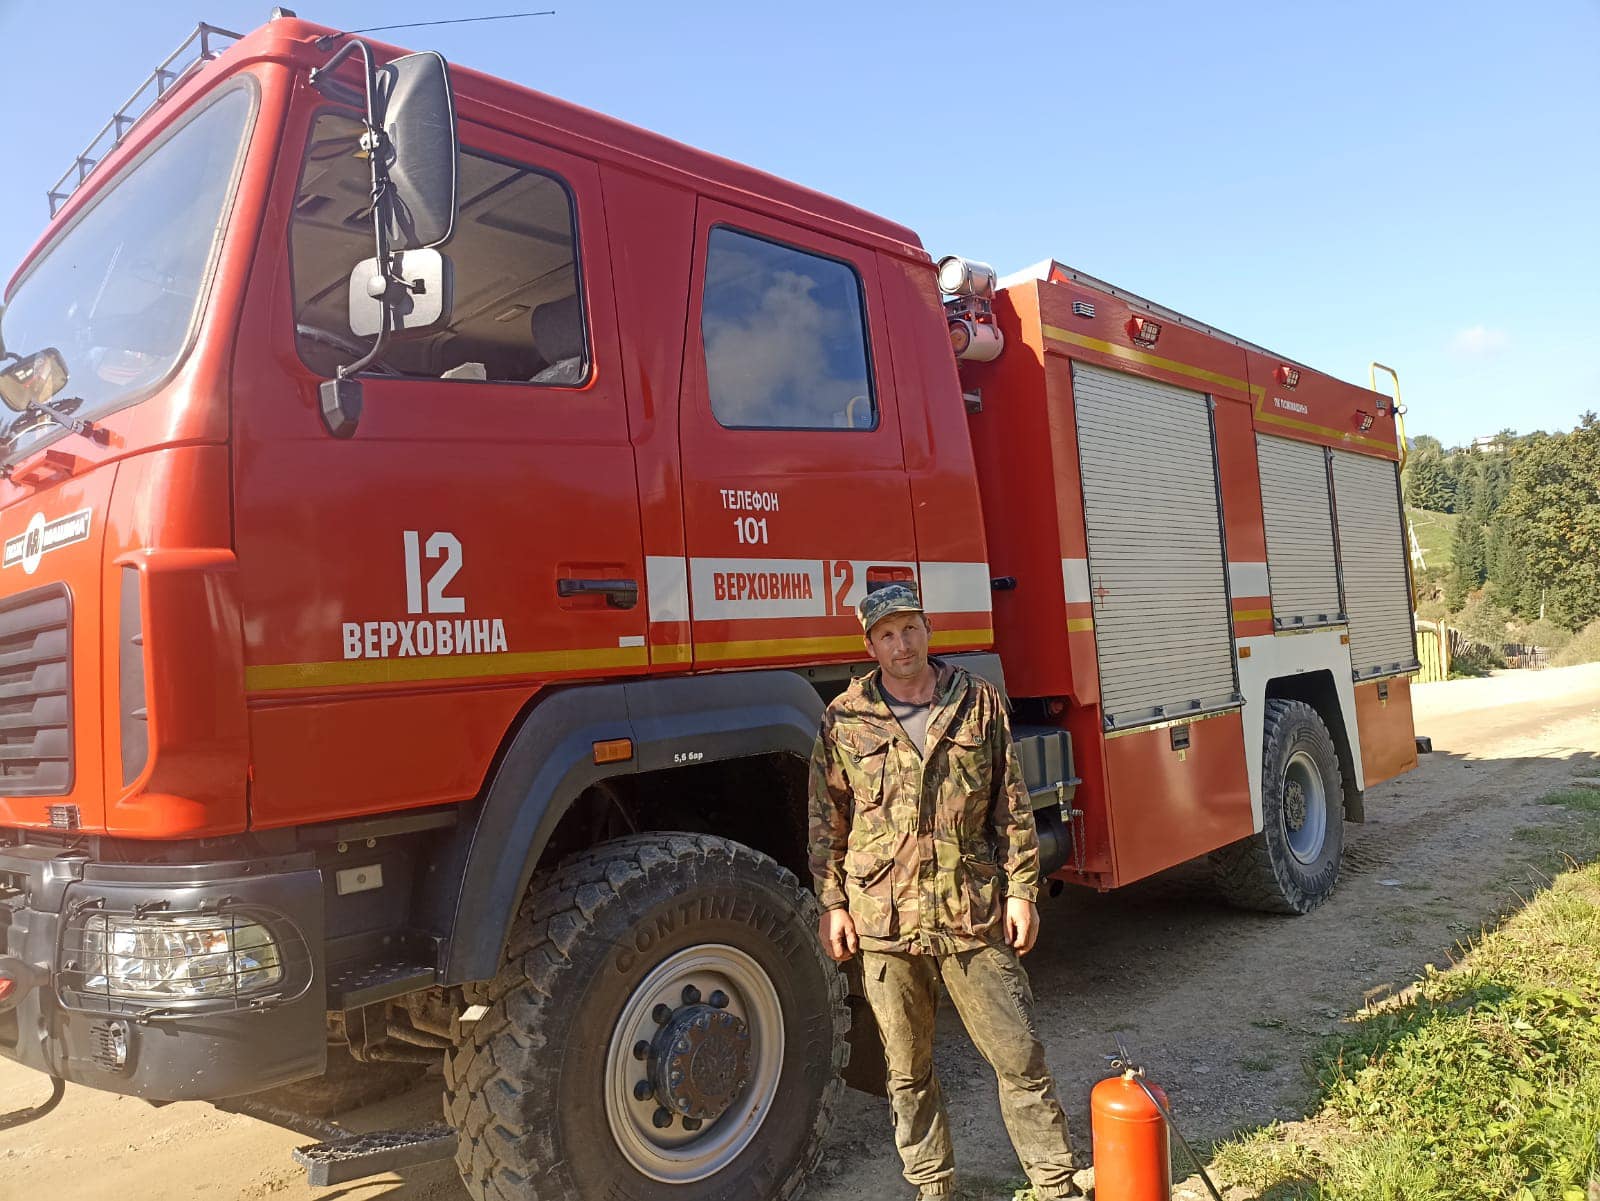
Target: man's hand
(837, 930)
(1022, 924)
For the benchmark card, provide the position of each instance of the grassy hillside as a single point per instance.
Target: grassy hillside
(1434, 532)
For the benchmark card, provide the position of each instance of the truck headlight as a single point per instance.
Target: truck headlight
(178, 958)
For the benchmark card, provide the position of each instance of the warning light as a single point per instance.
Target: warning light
(1288, 376)
(1366, 419)
(1143, 330)
(960, 337)
(975, 341)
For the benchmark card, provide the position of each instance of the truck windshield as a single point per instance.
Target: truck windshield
(118, 294)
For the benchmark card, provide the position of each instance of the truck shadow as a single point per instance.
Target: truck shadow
(1225, 1009)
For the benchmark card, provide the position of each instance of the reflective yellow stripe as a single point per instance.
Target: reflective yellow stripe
(790, 648)
(1252, 614)
(759, 648)
(270, 677)
(1255, 391)
(677, 652)
(1263, 414)
(960, 637)
(1128, 354)
(1077, 624)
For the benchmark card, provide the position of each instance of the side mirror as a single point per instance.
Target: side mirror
(413, 105)
(414, 155)
(417, 294)
(33, 379)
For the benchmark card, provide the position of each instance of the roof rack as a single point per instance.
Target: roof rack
(172, 70)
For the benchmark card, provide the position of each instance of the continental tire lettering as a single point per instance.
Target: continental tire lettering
(710, 907)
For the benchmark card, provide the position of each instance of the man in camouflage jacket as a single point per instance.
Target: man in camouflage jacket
(926, 859)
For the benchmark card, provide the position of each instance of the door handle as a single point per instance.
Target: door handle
(619, 594)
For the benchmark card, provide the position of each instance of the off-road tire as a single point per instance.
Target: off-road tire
(524, 1086)
(1261, 872)
(346, 1084)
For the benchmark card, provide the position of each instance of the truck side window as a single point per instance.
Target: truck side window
(785, 337)
(518, 313)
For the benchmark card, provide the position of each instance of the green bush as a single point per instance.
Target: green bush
(1484, 621)
(1584, 647)
(1541, 633)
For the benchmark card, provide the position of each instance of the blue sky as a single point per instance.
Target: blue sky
(1412, 183)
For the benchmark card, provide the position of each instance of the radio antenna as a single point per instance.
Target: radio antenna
(549, 12)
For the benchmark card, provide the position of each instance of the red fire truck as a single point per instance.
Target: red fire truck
(433, 516)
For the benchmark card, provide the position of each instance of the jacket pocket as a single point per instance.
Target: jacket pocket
(981, 888)
(970, 763)
(869, 893)
(865, 754)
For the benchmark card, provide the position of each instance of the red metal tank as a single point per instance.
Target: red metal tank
(1131, 1160)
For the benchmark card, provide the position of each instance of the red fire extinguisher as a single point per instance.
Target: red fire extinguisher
(1130, 1122)
(1131, 1159)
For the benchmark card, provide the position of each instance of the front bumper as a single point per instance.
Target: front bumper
(54, 1020)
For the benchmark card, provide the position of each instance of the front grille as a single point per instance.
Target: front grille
(36, 693)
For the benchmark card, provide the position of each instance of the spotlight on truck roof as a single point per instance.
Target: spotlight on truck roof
(964, 277)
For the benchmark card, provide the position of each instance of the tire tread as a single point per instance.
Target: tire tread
(505, 1152)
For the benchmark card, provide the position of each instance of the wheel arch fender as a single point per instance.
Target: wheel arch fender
(549, 761)
(1336, 707)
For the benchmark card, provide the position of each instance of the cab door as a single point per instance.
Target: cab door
(406, 589)
(795, 493)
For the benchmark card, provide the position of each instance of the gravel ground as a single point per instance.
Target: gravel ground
(1219, 1005)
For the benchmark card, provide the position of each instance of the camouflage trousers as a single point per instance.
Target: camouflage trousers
(991, 993)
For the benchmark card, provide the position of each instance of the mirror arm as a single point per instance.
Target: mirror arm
(341, 396)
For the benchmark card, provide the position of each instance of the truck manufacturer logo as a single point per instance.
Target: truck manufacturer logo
(41, 537)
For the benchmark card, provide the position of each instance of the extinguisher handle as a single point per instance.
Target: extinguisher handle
(1138, 1078)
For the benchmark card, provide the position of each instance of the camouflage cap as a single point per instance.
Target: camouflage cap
(891, 598)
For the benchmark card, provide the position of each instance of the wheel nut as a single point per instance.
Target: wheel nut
(691, 995)
(662, 1014)
(642, 1090)
(719, 999)
(661, 1119)
(641, 1050)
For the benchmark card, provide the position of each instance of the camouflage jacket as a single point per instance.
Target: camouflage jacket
(922, 851)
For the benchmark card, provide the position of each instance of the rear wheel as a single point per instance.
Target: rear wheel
(665, 1025)
(1293, 864)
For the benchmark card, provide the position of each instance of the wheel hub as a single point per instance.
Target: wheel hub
(701, 1061)
(1294, 805)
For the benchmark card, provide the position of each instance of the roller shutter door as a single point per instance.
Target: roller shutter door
(1372, 562)
(1157, 575)
(1299, 521)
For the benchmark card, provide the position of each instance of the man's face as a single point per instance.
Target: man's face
(899, 642)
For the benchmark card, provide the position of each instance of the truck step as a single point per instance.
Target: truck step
(340, 1160)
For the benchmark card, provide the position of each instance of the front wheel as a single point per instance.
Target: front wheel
(1292, 865)
(665, 1024)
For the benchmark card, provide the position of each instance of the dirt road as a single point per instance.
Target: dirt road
(1220, 1005)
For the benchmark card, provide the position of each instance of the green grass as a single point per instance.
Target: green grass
(1434, 533)
(1482, 1085)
